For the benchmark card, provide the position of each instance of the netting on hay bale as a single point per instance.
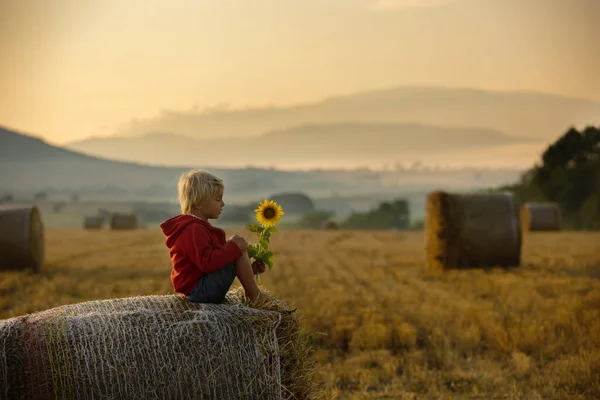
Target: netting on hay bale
(541, 217)
(157, 347)
(21, 237)
(472, 230)
(93, 222)
(123, 221)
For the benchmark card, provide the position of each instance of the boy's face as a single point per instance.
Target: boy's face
(211, 208)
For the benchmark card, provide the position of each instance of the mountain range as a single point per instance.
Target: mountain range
(360, 143)
(415, 123)
(30, 165)
(518, 113)
(432, 125)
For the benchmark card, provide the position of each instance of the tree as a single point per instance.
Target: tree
(394, 215)
(569, 174)
(7, 198)
(40, 196)
(315, 219)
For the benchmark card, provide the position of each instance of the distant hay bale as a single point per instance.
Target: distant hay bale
(123, 221)
(157, 347)
(93, 222)
(472, 230)
(541, 217)
(21, 237)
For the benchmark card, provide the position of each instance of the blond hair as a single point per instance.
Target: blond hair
(195, 187)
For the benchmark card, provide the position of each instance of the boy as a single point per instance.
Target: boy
(204, 264)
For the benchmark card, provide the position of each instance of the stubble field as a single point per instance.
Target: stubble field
(382, 327)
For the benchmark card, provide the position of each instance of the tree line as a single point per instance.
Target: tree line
(568, 174)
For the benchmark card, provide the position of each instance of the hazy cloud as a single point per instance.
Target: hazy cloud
(397, 5)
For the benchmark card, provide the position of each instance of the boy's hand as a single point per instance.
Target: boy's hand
(240, 241)
(258, 266)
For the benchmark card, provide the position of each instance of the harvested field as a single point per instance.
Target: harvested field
(383, 327)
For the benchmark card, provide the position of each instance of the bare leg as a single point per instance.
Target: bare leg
(243, 270)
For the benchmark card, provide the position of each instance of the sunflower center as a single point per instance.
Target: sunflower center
(269, 213)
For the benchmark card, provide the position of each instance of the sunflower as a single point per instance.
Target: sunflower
(268, 213)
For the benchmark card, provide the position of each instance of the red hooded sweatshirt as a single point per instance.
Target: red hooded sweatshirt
(196, 248)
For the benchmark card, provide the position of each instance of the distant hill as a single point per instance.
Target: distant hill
(29, 164)
(16, 147)
(360, 143)
(526, 114)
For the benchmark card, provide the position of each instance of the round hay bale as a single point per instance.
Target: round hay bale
(157, 347)
(21, 237)
(123, 221)
(93, 222)
(471, 230)
(541, 217)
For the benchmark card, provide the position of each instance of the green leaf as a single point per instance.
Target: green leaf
(272, 229)
(252, 251)
(253, 228)
(269, 259)
(259, 229)
(264, 243)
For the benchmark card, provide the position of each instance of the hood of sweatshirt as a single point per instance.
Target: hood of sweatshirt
(174, 226)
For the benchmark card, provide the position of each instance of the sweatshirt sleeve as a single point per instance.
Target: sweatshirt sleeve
(206, 257)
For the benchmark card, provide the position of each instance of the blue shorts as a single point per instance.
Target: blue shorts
(213, 287)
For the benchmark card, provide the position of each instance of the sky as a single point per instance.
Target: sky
(71, 69)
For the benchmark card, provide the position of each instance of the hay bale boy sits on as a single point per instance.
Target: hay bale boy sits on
(204, 264)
